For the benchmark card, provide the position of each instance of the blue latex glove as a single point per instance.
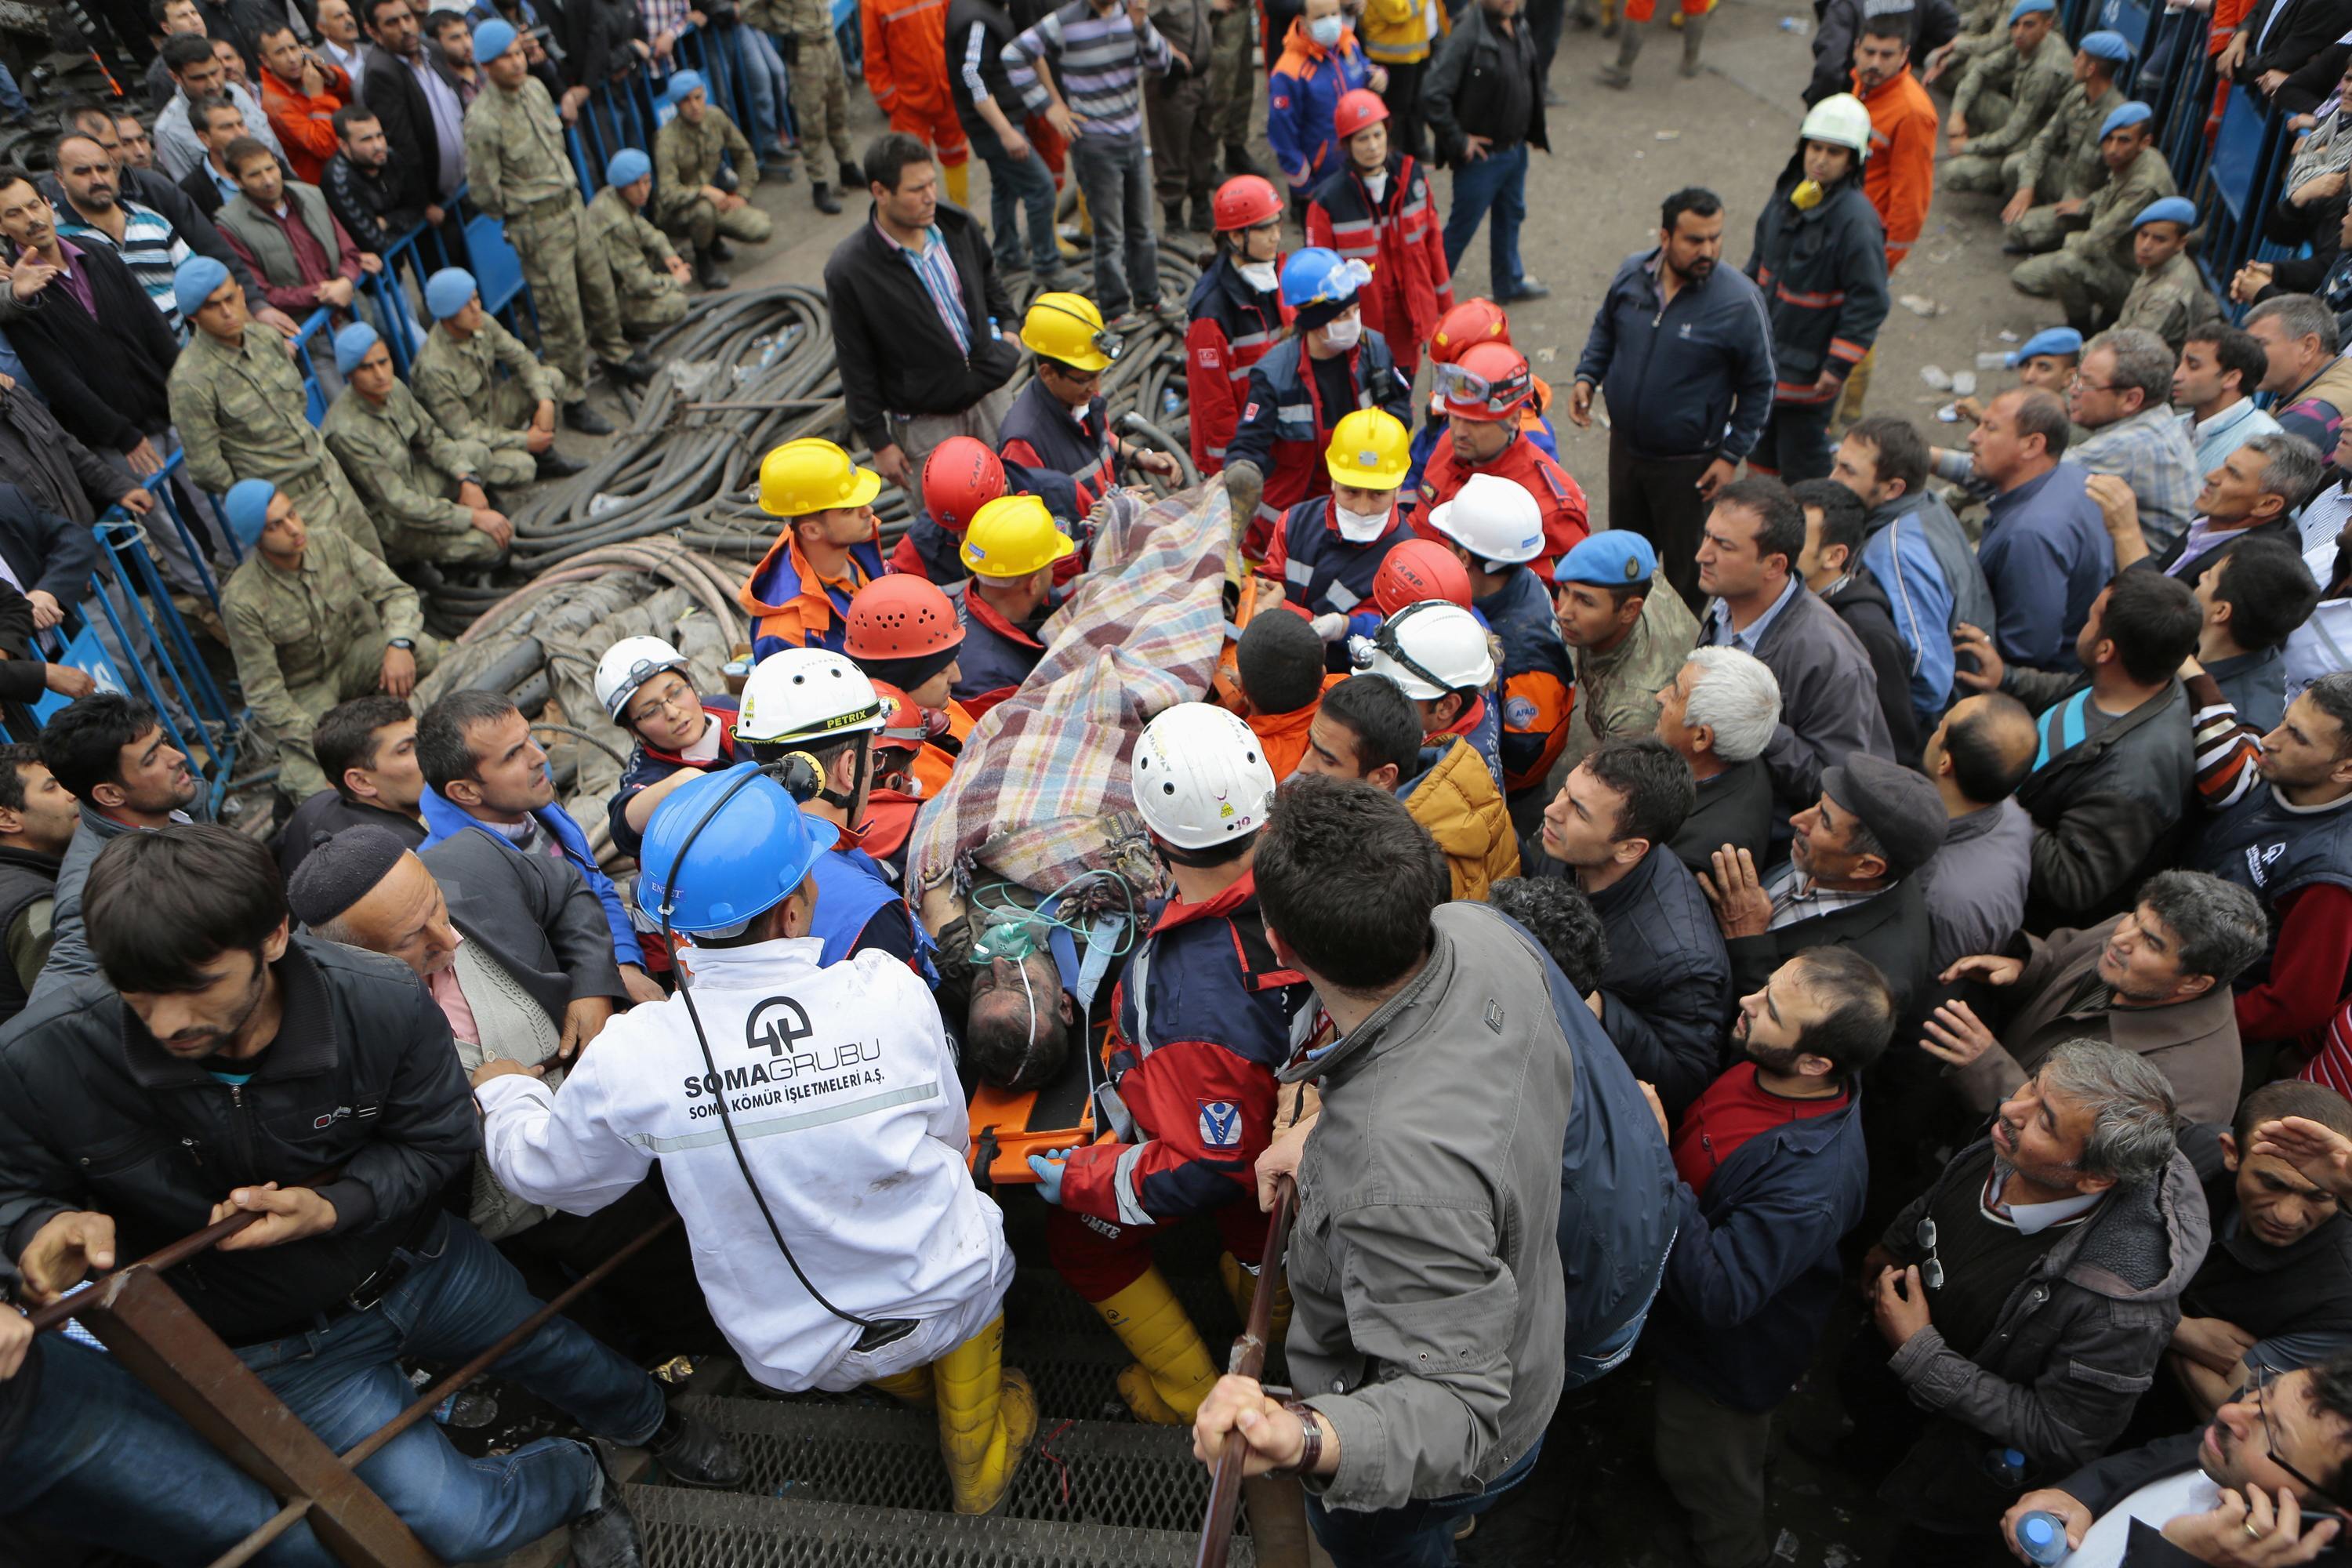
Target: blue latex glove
(1048, 1166)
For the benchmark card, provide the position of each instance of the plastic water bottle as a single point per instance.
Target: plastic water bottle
(1993, 362)
(2006, 1466)
(1171, 404)
(2042, 1535)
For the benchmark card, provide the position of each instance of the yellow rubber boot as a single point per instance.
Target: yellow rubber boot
(959, 184)
(1085, 218)
(1173, 1372)
(1241, 1289)
(988, 1418)
(913, 1387)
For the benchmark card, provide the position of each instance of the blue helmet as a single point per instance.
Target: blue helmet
(751, 849)
(1316, 276)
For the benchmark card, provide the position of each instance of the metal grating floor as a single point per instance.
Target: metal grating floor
(708, 1529)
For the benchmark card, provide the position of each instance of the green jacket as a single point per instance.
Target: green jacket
(515, 158)
(241, 415)
(401, 459)
(2034, 84)
(638, 253)
(2169, 300)
(290, 630)
(687, 157)
(2063, 159)
(2117, 200)
(452, 380)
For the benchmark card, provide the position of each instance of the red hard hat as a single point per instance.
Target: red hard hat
(903, 729)
(901, 616)
(1419, 569)
(1358, 107)
(1488, 381)
(960, 477)
(1244, 201)
(1464, 327)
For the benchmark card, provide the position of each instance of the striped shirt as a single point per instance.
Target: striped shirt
(932, 265)
(150, 248)
(1100, 61)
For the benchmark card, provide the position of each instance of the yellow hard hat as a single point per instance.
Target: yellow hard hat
(1370, 449)
(1012, 536)
(810, 475)
(1068, 327)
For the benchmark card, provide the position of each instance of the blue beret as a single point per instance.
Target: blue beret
(1610, 558)
(627, 167)
(2104, 46)
(2130, 114)
(491, 39)
(685, 82)
(246, 507)
(2170, 209)
(2051, 341)
(447, 292)
(194, 280)
(352, 345)
(2024, 8)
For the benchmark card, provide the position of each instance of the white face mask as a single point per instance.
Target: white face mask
(1258, 275)
(1360, 527)
(1325, 30)
(1344, 333)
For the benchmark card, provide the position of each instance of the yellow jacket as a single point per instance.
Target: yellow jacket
(1457, 801)
(1399, 32)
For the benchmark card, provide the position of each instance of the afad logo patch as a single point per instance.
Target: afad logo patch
(1221, 1124)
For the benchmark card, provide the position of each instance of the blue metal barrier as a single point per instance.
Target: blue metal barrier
(626, 112)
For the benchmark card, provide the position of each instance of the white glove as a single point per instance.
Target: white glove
(1330, 626)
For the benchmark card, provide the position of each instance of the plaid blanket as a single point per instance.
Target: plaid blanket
(1041, 792)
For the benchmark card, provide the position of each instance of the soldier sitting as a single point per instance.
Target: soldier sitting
(423, 485)
(650, 276)
(2092, 272)
(312, 622)
(701, 197)
(2169, 297)
(478, 380)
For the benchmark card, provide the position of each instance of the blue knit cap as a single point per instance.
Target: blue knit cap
(2130, 114)
(491, 39)
(2105, 45)
(2170, 209)
(447, 292)
(685, 82)
(194, 280)
(352, 345)
(2050, 341)
(627, 167)
(246, 507)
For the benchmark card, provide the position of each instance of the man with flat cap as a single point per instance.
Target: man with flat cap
(2093, 269)
(479, 381)
(650, 276)
(312, 622)
(1629, 632)
(1849, 882)
(425, 485)
(240, 406)
(695, 199)
(2052, 176)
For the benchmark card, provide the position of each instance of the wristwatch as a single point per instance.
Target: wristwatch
(1311, 1439)
(404, 645)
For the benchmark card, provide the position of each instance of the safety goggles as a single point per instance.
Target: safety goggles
(1341, 284)
(1387, 642)
(1458, 385)
(644, 669)
(1108, 343)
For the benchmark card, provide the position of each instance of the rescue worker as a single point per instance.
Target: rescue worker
(1328, 367)
(1420, 569)
(826, 551)
(427, 489)
(820, 98)
(1235, 312)
(518, 171)
(698, 150)
(1487, 393)
(312, 621)
(1439, 656)
(1819, 259)
(1375, 208)
(238, 404)
(907, 70)
(806, 1301)
(1321, 63)
(815, 703)
(1398, 36)
(960, 477)
(645, 685)
(479, 381)
(2093, 269)
(2060, 167)
(1202, 1019)
(1496, 529)
(1011, 550)
(898, 794)
(905, 634)
(2169, 298)
(2004, 99)
(1330, 550)
(1056, 439)
(1900, 176)
(650, 276)
(1460, 329)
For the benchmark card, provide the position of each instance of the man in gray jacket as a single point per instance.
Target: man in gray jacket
(1430, 1314)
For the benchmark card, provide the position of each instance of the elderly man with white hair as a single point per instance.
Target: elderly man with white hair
(1720, 712)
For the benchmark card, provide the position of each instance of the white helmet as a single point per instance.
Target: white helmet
(1493, 518)
(1200, 777)
(629, 664)
(1839, 119)
(1430, 648)
(804, 694)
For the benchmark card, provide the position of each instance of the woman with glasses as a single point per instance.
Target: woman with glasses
(643, 684)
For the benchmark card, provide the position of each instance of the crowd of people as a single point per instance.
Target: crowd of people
(1538, 903)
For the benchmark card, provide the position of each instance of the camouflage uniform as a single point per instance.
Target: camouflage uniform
(409, 467)
(2060, 162)
(241, 415)
(517, 169)
(820, 81)
(2006, 99)
(309, 638)
(2169, 300)
(687, 157)
(2093, 270)
(460, 386)
(638, 256)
